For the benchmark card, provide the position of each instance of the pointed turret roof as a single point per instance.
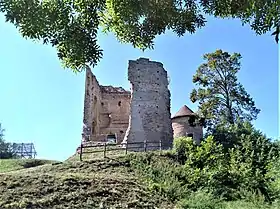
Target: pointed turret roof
(184, 111)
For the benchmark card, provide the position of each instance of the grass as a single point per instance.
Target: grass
(103, 183)
(98, 153)
(202, 200)
(97, 182)
(7, 165)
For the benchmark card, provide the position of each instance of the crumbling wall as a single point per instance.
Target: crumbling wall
(150, 118)
(114, 116)
(106, 110)
(91, 106)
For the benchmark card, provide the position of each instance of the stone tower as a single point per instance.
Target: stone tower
(150, 118)
(181, 126)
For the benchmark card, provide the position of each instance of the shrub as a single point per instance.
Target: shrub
(201, 200)
(273, 180)
(182, 147)
(248, 170)
(162, 174)
(250, 160)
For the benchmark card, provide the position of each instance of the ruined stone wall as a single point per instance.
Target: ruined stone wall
(91, 106)
(181, 128)
(115, 113)
(106, 110)
(150, 117)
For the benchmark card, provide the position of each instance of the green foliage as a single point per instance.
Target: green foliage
(200, 200)
(242, 204)
(5, 151)
(222, 99)
(205, 166)
(139, 180)
(234, 134)
(7, 165)
(250, 160)
(273, 179)
(162, 174)
(182, 146)
(262, 16)
(72, 25)
(102, 183)
(247, 171)
(138, 22)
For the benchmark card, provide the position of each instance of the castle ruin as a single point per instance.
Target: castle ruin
(150, 118)
(106, 111)
(113, 114)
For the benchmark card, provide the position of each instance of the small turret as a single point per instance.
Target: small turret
(182, 127)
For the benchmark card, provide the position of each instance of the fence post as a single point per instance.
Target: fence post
(126, 147)
(81, 152)
(22, 150)
(105, 149)
(145, 145)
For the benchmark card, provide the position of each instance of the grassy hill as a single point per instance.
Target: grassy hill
(99, 183)
(7, 165)
(116, 182)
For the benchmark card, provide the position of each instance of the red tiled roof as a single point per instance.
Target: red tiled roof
(184, 111)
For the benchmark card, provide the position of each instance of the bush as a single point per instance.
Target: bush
(162, 174)
(247, 171)
(183, 146)
(201, 200)
(273, 180)
(250, 160)
(205, 167)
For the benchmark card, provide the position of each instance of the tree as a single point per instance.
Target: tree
(1, 132)
(222, 99)
(262, 16)
(5, 151)
(72, 25)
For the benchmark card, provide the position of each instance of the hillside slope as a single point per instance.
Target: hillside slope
(7, 165)
(137, 180)
(101, 183)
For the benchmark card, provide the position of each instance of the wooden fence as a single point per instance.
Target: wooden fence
(141, 146)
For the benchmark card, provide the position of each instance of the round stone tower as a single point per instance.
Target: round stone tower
(181, 125)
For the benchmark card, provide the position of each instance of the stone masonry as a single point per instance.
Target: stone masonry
(181, 125)
(137, 116)
(106, 111)
(150, 118)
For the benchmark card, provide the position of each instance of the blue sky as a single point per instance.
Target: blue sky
(43, 103)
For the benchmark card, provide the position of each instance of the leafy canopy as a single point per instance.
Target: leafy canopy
(72, 25)
(222, 99)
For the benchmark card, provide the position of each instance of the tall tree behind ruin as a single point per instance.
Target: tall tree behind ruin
(72, 25)
(222, 99)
